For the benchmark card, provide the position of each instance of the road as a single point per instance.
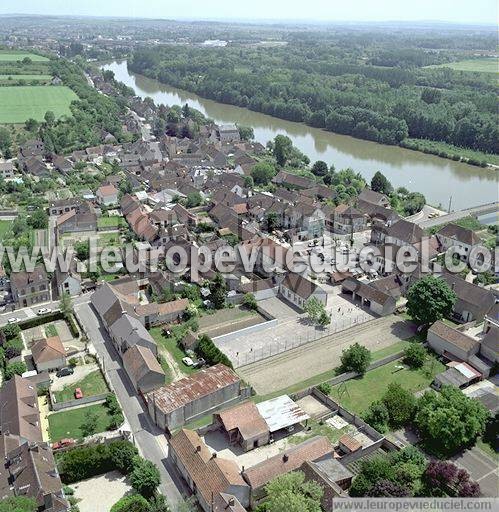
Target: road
(150, 440)
(30, 312)
(296, 365)
(451, 217)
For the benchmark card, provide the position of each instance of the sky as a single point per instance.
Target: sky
(456, 11)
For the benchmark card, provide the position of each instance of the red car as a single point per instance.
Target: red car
(62, 443)
(78, 393)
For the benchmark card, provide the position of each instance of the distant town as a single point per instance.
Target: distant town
(193, 320)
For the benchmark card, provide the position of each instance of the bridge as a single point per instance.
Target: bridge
(475, 211)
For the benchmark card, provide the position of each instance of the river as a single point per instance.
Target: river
(437, 178)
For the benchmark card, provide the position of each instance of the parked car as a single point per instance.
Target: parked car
(63, 443)
(13, 320)
(78, 393)
(64, 372)
(43, 311)
(199, 363)
(188, 361)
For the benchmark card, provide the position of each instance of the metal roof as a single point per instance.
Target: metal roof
(281, 412)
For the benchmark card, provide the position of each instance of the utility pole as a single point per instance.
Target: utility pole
(450, 202)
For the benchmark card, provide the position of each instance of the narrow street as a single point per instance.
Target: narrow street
(150, 440)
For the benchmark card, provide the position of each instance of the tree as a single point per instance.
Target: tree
(31, 125)
(18, 504)
(430, 299)
(246, 132)
(158, 503)
(194, 199)
(380, 183)
(443, 478)
(5, 142)
(134, 503)
(17, 368)
(355, 358)
(249, 301)
(282, 149)
(316, 310)
(415, 355)
(144, 477)
(291, 493)
(400, 405)
(248, 182)
(82, 250)
(186, 111)
(11, 331)
(39, 220)
(272, 221)
(377, 416)
(49, 118)
(320, 168)
(89, 426)
(218, 290)
(210, 352)
(262, 173)
(388, 489)
(66, 305)
(450, 420)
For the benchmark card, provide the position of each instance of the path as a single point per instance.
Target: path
(291, 367)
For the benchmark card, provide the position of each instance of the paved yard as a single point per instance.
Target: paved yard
(80, 372)
(100, 493)
(313, 407)
(321, 355)
(293, 329)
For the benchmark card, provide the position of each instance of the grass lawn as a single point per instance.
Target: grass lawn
(4, 228)
(14, 56)
(67, 423)
(42, 78)
(357, 394)
(109, 240)
(17, 104)
(480, 65)
(109, 222)
(170, 344)
(92, 384)
(333, 434)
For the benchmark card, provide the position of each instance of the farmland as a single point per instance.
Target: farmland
(481, 65)
(17, 104)
(15, 56)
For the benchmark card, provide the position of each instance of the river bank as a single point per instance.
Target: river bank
(437, 178)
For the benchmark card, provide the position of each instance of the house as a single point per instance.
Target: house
(348, 219)
(61, 206)
(20, 414)
(473, 301)
(49, 354)
(376, 300)
(228, 133)
(224, 502)
(143, 369)
(127, 331)
(29, 470)
(292, 459)
(462, 241)
(6, 169)
(298, 290)
(243, 425)
(107, 195)
(30, 288)
(403, 232)
(62, 164)
(373, 198)
(81, 219)
(36, 166)
(292, 181)
(450, 342)
(207, 475)
(69, 282)
(189, 398)
(489, 347)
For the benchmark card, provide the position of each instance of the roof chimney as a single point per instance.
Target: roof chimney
(198, 448)
(232, 502)
(285, 457)
(214, 455)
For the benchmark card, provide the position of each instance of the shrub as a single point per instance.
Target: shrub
(210, 352)
(415, 355)
(144, 477)
(325, 388)
(250, 302)
(400, 405)
(12, 369)
(122, 455)
(377, 416)
(356, 358)
(134, 503)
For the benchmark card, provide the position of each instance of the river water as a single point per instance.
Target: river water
(440, 180)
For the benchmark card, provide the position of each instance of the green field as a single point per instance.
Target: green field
(4, 228)
(13, 56)
(110, 222)
(91, 385)
(67, 423)
(17, 104)
(13, 78)
(481, 65)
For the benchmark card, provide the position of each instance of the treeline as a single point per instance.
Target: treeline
(330, 87)
(91, 114)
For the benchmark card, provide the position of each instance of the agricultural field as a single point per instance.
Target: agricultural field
(15, 56)
(482, 65)
(21, 79)
(17, 104)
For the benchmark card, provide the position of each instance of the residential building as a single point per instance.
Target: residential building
(462, 240)
(376, 300)
(6, 169)
(206, 474)
(30, 288)
(107, 195)
(370, 197)
(228, 133)
(49, 354)
(298, 290)
(143, 369)
(348, 219)
(69, 282)
(187, 399)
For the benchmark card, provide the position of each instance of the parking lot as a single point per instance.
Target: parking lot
(293, 329)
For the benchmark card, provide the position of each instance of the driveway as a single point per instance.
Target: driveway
(150, 440)
(323, 354)
(481, 468)
(58, 383)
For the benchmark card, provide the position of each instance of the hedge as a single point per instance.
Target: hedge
(85, 462)
(51, 317)
(210, 352)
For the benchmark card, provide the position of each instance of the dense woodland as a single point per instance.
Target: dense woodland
(368, 86)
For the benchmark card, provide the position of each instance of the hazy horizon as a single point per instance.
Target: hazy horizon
(481, 12)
